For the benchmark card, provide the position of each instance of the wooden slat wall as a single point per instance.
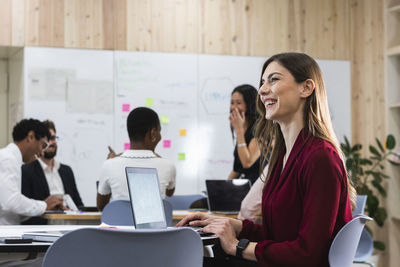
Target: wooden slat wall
(326, 29)
(367, 58)
(232, 27)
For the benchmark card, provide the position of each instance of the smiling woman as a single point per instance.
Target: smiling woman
(242, 118)
(306, 198)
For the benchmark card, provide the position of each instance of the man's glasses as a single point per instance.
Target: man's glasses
(54, 138)
(45, 145)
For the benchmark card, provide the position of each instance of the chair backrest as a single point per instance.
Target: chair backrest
(177, 247)
(366, 244)
(344, 246)
(183, 202)
(360, 205)
(365, 247)
(119, 212)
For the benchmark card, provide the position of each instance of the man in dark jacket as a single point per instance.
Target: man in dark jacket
(46, 176)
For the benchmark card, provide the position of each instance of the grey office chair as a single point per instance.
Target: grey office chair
(119, 212)
(364, 249)
(360, 205)
(183, 202)
(174, 247)
(344, 246)
(366, 243)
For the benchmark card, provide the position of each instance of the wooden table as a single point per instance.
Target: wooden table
(180, 214)
(94, 218)
(74, 218)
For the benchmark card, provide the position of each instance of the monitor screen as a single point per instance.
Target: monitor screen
(226, 195)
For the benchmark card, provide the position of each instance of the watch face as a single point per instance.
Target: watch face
(243, 243)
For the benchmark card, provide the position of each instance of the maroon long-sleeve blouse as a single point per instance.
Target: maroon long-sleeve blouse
(303, 206)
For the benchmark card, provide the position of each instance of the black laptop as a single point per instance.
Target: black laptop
(225, 196)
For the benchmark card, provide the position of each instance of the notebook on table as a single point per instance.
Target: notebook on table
(44, 236)
(225, 196)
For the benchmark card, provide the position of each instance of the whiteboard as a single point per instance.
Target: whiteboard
(89, 94)
(62, 85)
(167, 83)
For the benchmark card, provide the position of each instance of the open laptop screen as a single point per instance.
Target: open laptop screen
(225, 196)
(146, 201)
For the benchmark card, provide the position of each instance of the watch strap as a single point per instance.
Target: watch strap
(242, 245)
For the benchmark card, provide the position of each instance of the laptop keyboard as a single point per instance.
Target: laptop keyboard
(198, 230)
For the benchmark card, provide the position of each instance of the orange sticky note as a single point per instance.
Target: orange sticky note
(182, 132)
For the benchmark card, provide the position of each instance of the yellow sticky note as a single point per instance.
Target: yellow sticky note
(182, 132)
(181, 156)
(164, 119)
(149, 102)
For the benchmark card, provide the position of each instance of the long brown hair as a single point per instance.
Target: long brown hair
(316, 112)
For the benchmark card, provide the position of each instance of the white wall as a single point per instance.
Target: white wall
(16, 90)
(3, 103)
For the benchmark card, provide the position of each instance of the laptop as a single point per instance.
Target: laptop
(225, 196)
(146, 202)
(145, 197)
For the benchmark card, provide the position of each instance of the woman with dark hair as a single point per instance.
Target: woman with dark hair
(307, 197)
(243, 115)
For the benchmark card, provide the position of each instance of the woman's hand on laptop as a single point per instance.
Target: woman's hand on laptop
(224, 229)
(197, 219)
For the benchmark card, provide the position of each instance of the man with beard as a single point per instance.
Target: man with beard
(46, 176)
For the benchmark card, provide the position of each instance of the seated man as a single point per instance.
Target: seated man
(46, 176)
(144, 133)
(30, 138)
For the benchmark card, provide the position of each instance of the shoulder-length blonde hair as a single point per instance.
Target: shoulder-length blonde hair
(316, 112)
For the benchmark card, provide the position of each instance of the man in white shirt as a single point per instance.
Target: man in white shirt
(46, 176)
(30, 139)
(144, 133)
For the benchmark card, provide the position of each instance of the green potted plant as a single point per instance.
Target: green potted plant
(368, 174)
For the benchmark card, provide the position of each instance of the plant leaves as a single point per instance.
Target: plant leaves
(345, 146)
(356, 148)
(390, 142)
(379, 187)
(380, 216)
(379, 245)
(365, 162)
(380, 145)
(372, 204)
(374, 151)
(385, 176)
(349, 164)
(394, 162)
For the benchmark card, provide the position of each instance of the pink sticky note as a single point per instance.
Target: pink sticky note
(126, 107)
(127, 146)
(167, 143)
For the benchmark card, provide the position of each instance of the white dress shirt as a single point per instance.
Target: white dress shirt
(251, 205)
(53, 178)
(113, 177)
(13, 204)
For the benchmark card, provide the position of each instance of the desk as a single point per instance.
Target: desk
(178, 215)
(13, 252)
(74, 218)
(94, 218)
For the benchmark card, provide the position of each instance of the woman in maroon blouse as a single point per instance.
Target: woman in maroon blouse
(306, 197)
